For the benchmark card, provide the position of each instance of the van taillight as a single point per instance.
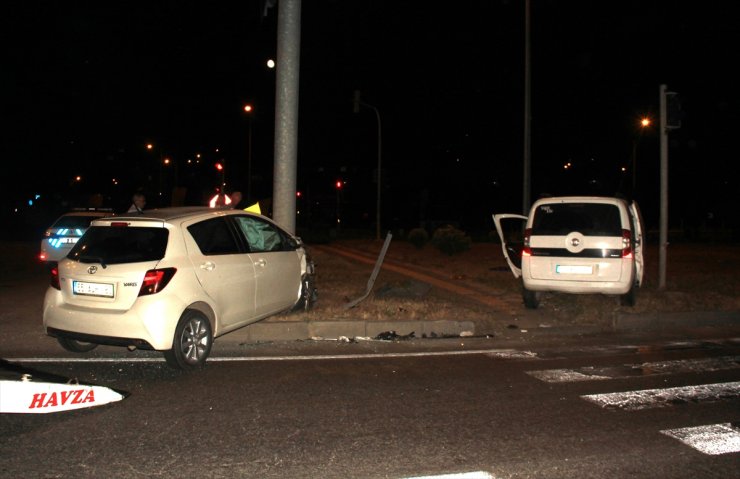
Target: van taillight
(54, 280)
(526, 250)
(155, 280)
(626, 244)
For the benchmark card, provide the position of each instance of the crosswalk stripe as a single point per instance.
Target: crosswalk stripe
(641, 369)
(713, 439)
(652, 398)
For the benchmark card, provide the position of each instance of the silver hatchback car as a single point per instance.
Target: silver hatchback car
(174, 279)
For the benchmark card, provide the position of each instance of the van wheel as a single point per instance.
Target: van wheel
(531, 298)
(76, 346)
(192, 343)
(629, 298)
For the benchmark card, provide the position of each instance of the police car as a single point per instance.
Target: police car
(63, 234)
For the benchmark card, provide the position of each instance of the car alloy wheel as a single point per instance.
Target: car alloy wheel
(192, 342)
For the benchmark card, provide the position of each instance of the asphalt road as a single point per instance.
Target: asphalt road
(526, 406)
(340, 410)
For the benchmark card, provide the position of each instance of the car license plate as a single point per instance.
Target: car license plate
(92, 289)
(573, 269)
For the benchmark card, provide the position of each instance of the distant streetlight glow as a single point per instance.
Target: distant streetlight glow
(645, 122)
(270, 63)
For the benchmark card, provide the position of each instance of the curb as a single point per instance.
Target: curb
(622, 322)
(302, 330)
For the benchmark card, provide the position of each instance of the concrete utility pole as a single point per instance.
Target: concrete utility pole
(527, 188)
(286, 113)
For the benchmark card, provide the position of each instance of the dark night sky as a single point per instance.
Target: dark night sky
(86, 84)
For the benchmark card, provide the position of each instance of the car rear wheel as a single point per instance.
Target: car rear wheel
(192, 343)
(630, 297)
(76, 346)
(531, 298)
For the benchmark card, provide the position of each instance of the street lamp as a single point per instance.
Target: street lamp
(644, 123)
(248, 109)
(357, 104)
(150, 147)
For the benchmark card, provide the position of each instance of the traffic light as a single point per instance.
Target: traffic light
(338, 184)
(673, 110)
(219, 166)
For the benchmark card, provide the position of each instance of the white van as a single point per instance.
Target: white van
(575, 244)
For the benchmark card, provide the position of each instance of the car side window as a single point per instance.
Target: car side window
(214, 237)
(261, 235)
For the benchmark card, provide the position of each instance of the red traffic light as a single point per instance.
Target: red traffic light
(339, 184)
(219, 166)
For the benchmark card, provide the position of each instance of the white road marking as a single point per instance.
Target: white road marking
(713, 439)
(498, 353)
(652, 398)
(462, 475)
(643, 369)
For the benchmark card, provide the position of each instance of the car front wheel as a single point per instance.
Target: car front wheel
(309, 294)
(76, 346)
(192, 343)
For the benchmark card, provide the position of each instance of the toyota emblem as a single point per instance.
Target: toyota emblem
(92, 269)
(575, 242)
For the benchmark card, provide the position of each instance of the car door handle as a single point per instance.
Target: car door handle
(208, 266)
(260, 262)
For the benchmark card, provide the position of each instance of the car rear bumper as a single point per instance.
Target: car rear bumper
(577, 287)
(93, 338)
(155, 328)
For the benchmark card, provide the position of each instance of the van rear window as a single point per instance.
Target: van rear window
(590, 219)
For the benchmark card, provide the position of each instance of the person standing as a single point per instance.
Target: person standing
(236, 199)
(138, 203)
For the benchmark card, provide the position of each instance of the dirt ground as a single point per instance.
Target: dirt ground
(699, 277)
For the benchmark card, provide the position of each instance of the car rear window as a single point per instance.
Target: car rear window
(589, 219)
(74, 221)
(120, 244)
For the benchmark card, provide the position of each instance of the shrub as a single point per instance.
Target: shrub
(418, 237)
(450, 240)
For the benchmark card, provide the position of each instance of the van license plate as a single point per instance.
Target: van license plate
(104, 290)
(572, 269)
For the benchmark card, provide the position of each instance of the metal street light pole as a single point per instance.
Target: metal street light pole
(644, 123)
(358, 103)
(248, 109)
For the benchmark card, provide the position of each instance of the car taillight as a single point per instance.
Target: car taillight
(526, 250)
(155, 280)
(626, 244)
(54, 280)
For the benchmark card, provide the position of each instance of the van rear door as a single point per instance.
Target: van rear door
(638, 241)
(510, 229)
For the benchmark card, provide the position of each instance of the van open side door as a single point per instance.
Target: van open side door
(510, 229)
(638, 242)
